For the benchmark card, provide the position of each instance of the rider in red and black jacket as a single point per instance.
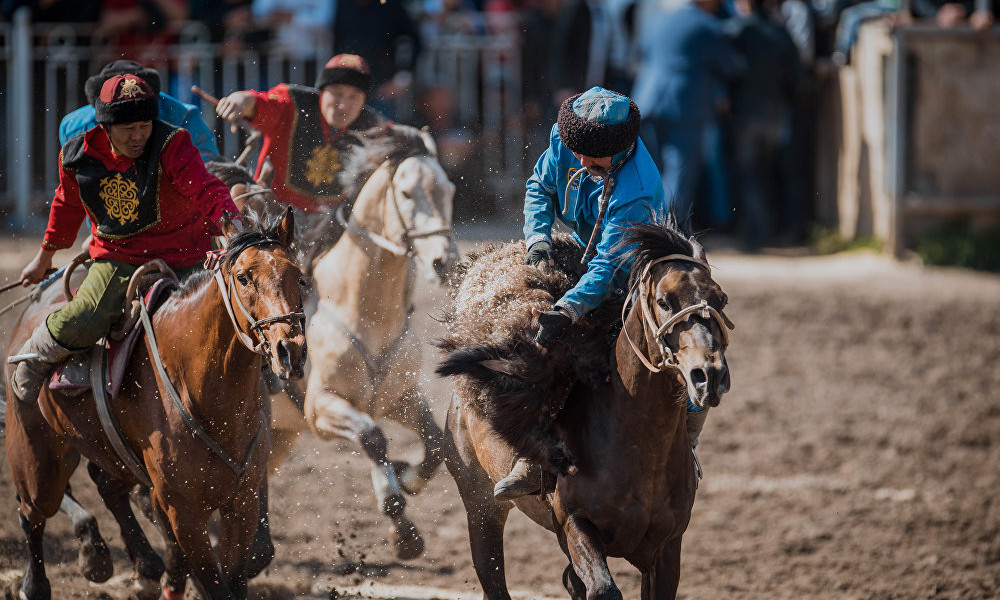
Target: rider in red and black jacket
(306, 130)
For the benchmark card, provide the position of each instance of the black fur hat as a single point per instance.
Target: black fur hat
(92, 88)
(346, 68)
(598, 123)
(126, 99)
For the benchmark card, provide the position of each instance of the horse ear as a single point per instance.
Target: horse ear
(429, 142)
(266, 174)
(697, 250)
(286, 229)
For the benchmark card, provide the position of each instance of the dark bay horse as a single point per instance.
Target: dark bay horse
(623, 434)
(190, 408)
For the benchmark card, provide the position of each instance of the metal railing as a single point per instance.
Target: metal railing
(43, 68)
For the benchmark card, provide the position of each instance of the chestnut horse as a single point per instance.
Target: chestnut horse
(623, 434)
(189, 407)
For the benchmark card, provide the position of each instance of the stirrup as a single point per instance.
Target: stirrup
(697, 466)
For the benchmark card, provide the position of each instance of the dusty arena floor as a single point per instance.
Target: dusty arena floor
(857, 457)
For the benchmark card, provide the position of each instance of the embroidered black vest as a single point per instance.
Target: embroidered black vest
(121, 203)
(313, 162)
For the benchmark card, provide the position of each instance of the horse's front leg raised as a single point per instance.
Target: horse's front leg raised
(414, 413)
(588, 559)
(148, 565)
(335, 416)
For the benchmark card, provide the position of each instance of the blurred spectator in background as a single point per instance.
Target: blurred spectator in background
(140, 28)
(850, 22)
(684, 57)
(55, 11)
(762, 100)
(580, 48)
(949, 13)
(384, 34)
(171, 110)
(227, 20)
(299, 26)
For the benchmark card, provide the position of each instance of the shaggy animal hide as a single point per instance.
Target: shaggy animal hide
(499, 371)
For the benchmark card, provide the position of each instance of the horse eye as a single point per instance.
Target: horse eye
(662, 304)
(303, 282)
(242, 279)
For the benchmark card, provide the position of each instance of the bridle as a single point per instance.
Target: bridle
(659, 332)
(405, 246)
(257, 326)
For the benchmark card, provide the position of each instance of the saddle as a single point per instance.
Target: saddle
(111, 356)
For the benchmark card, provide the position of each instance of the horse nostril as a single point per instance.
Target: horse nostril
(699, 378)
(439, 267)
(284, 357)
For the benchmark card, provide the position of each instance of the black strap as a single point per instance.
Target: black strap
(196, 429)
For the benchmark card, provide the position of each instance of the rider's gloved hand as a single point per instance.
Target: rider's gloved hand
(551, 325)
(539, 253)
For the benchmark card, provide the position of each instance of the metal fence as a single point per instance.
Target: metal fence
(43, 68)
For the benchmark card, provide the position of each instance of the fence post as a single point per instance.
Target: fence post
(19, 119)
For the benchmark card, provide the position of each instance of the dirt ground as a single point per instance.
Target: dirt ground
(857, 457)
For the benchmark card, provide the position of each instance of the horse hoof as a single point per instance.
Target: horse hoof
(409, 543)
(409, 478)
(393, 505)
(144, 588)
(94, 562)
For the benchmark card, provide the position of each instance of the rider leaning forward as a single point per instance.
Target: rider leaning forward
(307, 130)
(148, 195)
(593, 145)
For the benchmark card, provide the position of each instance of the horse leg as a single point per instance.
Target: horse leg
(148, 565)
(177, 567)
(415, 414)
(35, 584)
(588, 559)
(661, 582)
(573, 584)
(484, 515)
(262, 551)
(239, 520)
(94, 560)
(337, 416)
(189, 527)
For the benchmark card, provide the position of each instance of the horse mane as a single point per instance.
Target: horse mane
(395, 144)
(230, 173)
(257, 231)
(647, 242)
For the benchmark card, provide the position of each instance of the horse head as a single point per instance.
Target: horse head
(264, 284)
(681, 310)
(424, 196)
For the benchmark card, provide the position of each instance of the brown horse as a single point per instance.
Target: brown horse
(622, 434)
(190, 408)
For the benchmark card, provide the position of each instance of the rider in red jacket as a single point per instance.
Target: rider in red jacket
(148, 195)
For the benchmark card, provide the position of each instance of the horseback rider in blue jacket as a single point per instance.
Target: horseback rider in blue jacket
(597, 178)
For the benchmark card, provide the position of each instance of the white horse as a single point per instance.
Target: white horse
(363, 362)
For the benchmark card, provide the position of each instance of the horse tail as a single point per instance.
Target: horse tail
(517, 390)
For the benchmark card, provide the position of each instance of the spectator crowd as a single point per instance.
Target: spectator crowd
(726, 88)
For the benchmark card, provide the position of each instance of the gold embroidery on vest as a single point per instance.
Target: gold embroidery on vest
(569, 175)
(121, 198)
(322, 166)
(130, 89)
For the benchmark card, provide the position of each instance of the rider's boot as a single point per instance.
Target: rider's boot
(30, 375)
(695, 422)
(524, 478)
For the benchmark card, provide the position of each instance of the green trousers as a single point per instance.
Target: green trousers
(97, 305)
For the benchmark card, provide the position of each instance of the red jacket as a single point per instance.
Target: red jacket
(305, 153)
(139, 209)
